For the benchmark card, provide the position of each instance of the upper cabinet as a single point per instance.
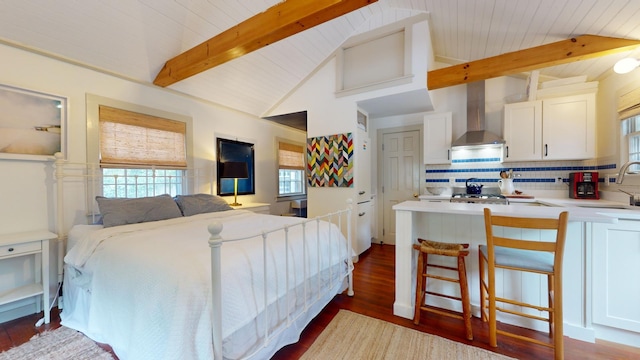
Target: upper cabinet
(437, 138)
(523, 131)
(552, 129)
(569, 127)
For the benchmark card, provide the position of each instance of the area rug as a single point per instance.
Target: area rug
(355, 336)
(59, 344)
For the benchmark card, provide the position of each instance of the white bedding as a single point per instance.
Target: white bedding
(145, 288)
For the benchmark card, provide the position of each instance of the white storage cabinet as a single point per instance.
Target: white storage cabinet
(616, 265)
(437, 138)
(34, 243)
(552, 129)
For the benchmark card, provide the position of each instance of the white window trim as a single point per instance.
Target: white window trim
(281, 198)
(625, 153)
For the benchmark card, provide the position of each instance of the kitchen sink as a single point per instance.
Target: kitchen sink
(527, 203)
(626, 215)
(607, 206)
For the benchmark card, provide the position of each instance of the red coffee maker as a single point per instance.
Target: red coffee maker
(583, 185)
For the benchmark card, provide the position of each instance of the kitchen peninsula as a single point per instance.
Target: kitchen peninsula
(602, 252)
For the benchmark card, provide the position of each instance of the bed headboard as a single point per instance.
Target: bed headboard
(78, 184)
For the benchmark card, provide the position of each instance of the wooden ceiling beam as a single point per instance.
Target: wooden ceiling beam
(276, 23)
(557, 53)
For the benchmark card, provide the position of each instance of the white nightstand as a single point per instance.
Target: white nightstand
(23, 244)
(260, 208)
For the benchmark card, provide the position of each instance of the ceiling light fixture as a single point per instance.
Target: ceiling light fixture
(626, 65)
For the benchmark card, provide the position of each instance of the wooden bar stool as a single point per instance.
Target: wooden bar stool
(536, 256)
(459, 251)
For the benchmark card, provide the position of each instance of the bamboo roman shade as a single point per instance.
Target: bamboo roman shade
(629, 104)
(290, 156)
(132, 139)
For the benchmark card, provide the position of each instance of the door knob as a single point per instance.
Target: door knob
(415, 195)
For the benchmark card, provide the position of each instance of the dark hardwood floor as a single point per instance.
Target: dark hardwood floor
(374, 296)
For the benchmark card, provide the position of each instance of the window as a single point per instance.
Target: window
(291, 169)
(140, 155)
(133, 183)
(629, 114)
(631, 133)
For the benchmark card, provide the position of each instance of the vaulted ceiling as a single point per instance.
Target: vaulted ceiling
(134, 39)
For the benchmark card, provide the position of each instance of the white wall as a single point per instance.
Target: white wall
(328, 114)
(608, 132)
(27, 188)
(609, 90)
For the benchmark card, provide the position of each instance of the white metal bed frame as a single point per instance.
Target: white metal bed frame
(193, 179)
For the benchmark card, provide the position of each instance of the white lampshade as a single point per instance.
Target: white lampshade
(625, 65)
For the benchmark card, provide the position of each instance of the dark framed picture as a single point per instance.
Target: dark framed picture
(32, 124)
(235, 151)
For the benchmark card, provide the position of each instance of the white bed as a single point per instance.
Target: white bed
(147, 289)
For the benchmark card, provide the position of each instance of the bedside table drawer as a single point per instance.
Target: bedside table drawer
(17, 249)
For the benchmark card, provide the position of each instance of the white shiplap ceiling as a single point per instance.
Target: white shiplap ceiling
(134, 38)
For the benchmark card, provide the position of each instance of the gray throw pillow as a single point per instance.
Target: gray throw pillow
(201, 203)
(118, 211)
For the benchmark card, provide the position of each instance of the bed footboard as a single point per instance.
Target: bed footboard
(216, 245)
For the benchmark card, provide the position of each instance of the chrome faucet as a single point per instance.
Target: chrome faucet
(623, 170)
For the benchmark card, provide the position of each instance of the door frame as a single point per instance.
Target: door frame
(379, 175)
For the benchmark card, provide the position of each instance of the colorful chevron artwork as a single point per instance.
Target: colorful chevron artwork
(329, 161)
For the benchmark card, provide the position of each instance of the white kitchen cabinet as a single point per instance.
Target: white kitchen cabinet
(437, 138)
(362, 164)
(363, 241)
(569, 127)
(552, 129)
(616, 265)
(522, 131)
(362, 181)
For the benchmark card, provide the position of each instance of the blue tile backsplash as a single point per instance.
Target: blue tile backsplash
(527, 175)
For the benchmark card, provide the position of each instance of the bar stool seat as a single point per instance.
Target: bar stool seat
(459, 251)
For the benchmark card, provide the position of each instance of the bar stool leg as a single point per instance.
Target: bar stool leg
(464, 294)
(483, 294)
(558, 326)
(420, 283)
(551, 300)
(493, 326)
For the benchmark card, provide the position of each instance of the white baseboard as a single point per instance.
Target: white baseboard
(402, 310)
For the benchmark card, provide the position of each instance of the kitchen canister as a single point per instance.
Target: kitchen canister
(506, 186)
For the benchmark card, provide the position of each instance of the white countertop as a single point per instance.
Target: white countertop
(597, 211)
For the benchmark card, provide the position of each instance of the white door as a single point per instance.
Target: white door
(401, 176)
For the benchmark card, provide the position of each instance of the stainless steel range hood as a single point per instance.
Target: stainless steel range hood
(476, 135)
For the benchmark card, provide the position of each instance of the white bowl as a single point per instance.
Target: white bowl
(436, 190)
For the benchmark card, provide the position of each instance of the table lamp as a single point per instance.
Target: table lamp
(235, 170)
